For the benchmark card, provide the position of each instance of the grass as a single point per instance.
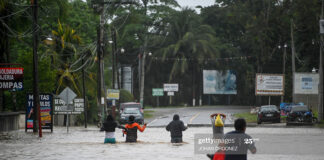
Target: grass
(148, 114)
(151, 107)
(249, 118)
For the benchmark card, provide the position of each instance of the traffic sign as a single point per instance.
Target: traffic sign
(67, 95)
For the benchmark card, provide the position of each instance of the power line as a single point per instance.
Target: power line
(202, 59)
(3, 17)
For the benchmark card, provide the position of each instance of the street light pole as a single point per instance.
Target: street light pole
(283, 65)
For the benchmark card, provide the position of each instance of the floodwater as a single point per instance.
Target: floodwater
(154, 143)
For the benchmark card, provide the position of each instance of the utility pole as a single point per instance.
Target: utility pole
(84, 97)
(99, 6)
(36, 105)
(142, 59)
(293, 54)
(100, 48)
(320, 87)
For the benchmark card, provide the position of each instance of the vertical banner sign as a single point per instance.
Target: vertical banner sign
(46, 111)
(11, 78)
(127, 78)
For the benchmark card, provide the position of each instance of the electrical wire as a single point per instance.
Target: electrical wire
(23, 10)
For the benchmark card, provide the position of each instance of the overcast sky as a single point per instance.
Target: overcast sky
(194, 3)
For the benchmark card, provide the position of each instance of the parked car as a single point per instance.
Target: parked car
(130, 105)
(268, 113)
(300, 115)
(286, 107)
(124, 116)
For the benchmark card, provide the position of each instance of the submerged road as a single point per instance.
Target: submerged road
(154, 143)
(194, 115)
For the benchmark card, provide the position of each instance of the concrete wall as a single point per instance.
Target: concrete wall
(22, 120)
(59, 120)
(9, 121)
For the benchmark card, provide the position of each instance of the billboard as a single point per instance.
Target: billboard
(269, 84)
(11, 78)
(112, 94)
(306, 83)
(46, 111)
(219, 82)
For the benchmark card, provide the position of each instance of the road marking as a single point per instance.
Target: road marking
(195, 116)
(149, 124)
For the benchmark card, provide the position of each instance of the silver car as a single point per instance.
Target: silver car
(124, 116)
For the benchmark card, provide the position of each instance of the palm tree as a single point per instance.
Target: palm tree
(189, 44)
(63, 54)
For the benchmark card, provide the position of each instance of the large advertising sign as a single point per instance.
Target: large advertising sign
(269, 84)
(11, 78)
(219, 82)
(46, 111)
(306, 83)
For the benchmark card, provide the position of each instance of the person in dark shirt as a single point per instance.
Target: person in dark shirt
(176, 127)
(240, 142)
(109, 127)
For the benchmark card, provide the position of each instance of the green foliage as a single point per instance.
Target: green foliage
(125, 96)
(46, 77)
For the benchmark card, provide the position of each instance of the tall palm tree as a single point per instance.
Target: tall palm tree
(189, 44)
(63, 54)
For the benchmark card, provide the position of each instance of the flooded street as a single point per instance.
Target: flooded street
(154, 143)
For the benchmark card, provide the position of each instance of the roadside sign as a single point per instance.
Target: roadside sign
(113, 94)
(67, 95)
(306, 83)
(11, 78)
(157, 92)
(168, 87)
(79, 105)
(170, 93)
(60, 106)
(46, 111)
(269, 84)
